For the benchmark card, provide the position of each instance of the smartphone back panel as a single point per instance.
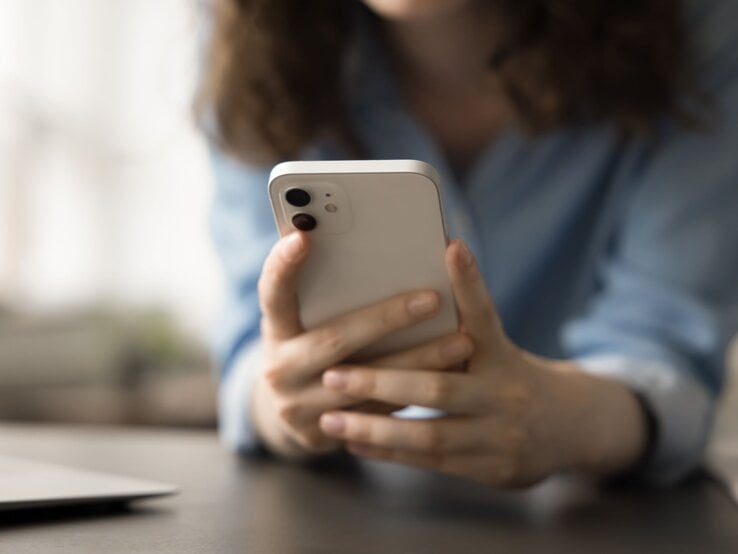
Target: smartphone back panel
(380, 231)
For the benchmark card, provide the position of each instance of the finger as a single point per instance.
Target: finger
(456, 393)
(448, 353)
(307, 355)
(278, 287)
(441, 353)
(311, 439)
(305, 407)
(477, 313)
(298, 416)
(420, 435)
(437, 461)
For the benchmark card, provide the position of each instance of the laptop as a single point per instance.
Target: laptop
(30, 484)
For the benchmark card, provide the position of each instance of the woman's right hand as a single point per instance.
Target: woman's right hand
(289, 397)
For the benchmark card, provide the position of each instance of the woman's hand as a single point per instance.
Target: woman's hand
(512, 418)
(288, 397)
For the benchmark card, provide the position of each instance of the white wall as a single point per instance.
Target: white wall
(104, 182)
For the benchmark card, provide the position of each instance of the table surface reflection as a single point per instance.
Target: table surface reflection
(229, 504)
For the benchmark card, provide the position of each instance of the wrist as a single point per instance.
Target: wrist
(603, 426)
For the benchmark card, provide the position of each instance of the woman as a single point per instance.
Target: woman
(588, 157)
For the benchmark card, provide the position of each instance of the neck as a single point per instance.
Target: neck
(449, 51)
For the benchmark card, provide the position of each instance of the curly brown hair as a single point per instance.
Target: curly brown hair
(272, 78)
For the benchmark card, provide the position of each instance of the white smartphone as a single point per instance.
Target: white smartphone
(376, 229)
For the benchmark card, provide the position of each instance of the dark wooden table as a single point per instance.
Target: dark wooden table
(232, 505)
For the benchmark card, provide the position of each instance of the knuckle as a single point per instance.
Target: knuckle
(311, 441)
(439, 390)
(362, 431)
(430, 355)
(332, 340)
(461, 344)
(519, 399)
(275, 374)
(394, 314)
(429, 437)
(289, 411)
(427, 356)
(363, 384)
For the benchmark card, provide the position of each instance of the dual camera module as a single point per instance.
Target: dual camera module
(301, 198)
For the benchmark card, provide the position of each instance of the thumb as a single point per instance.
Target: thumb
(278, 287)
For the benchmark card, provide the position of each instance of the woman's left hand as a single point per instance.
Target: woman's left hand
(512, 418)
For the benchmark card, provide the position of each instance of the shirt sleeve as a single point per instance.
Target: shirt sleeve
(243, 230)
(234, 416)
(667, 304)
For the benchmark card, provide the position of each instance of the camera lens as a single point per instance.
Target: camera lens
(297, 197)
(304, 222)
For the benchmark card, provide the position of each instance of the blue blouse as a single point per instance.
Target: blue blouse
(620, 255)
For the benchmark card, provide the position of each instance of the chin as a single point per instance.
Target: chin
(409, 10)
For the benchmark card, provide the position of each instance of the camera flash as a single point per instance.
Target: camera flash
(331, 208)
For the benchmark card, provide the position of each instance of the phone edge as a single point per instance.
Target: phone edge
(313, 167)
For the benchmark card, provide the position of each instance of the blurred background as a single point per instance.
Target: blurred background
(108, 284)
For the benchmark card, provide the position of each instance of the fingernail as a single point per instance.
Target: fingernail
(291, 247)
(332, 424)
(335, 379)
(456, 350)
(422, 303)
(466, 256)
